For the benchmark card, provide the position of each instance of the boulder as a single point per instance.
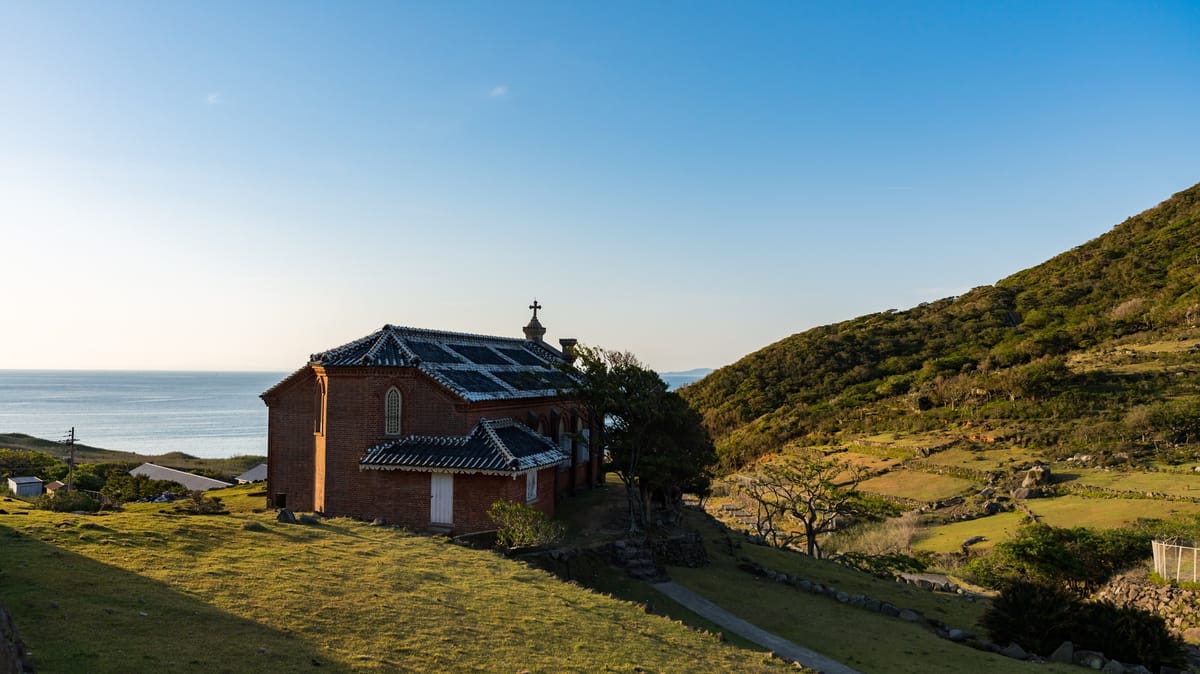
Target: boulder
(1014, 651)
(909, 615)
(1065, 653)
(286, 516)
(1089, 659)
(1113, 667)
(1037, 476)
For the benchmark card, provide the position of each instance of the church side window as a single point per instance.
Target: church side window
(531, 486)
(391, 413)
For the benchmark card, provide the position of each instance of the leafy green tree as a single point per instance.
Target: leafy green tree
(651, 438)
(23, 462)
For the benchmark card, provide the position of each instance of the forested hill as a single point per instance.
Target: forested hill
(994, 354)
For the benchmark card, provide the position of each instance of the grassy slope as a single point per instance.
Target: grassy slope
(866, 641)
(976, 357)
(86, 454)
(145, 590)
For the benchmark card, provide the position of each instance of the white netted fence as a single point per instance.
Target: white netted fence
(1176, 561)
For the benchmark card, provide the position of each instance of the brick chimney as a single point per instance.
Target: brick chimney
(568, 348)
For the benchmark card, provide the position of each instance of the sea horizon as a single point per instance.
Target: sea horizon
(208, 414)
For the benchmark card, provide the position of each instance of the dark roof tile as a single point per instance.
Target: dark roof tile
(501, 446)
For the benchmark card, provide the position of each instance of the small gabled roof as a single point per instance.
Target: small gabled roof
(473, 367)
(255, 474)
(192, 482)
(25, 480)
(494, 447)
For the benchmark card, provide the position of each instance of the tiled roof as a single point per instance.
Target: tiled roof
(497, 447)
(474, 367)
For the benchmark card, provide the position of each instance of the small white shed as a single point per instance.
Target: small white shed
(25, 487)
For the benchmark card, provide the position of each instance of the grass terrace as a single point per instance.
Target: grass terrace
(917, 485)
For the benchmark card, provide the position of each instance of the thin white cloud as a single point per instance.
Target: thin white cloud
(498, 91)
(214, 98)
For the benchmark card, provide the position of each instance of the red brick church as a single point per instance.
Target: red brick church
(427, 429)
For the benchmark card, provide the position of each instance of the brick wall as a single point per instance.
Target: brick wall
(290, 460)
(319, 471)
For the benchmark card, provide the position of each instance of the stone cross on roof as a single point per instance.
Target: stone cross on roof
(534, 330)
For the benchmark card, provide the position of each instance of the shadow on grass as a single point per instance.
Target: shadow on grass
(78, 614)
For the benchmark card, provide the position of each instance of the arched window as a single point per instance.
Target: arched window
(584, 450)
(391, 412)
(564, 439)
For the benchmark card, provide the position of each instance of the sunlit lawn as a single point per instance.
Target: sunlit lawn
(1105, 513)
(146, 590)
(950, 537)
(917, 485)
(1176, 484)
(989, 458)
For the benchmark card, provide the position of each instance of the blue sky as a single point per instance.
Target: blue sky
(237, 185)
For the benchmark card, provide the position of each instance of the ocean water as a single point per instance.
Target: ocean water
(205, 414)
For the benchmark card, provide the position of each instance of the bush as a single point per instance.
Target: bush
(1039, 617)
(198, 503)
(1080, 560)
(523, 526)
(67, 501)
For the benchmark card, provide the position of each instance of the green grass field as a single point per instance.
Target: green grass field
(1176, 484)
(987, 457)
(950, 537)
(1105, 513)
(145, 590)
(917, 485)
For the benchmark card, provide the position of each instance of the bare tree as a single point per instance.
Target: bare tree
(801, 496)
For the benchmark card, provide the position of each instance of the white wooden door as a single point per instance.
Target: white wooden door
(441, 502)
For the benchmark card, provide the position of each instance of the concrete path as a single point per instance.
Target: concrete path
(777, 644)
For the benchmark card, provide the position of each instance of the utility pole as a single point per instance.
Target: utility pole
(70, 442)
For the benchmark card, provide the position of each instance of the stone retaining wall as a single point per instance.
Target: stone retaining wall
(1179, 607)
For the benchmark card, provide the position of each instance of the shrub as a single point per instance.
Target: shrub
(1080, 560)
(887, 565)
(522, 526)
(1037, 616)
(67, 501)
(198, 503)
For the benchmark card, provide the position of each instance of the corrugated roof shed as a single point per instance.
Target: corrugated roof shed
(192, 482)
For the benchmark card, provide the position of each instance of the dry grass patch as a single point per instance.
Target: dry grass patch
(916, 485)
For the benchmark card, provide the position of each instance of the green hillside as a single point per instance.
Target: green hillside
(1090, 350)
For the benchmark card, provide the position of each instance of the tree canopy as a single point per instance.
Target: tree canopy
(651, 437)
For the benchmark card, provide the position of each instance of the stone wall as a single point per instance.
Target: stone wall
(1179, 607)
